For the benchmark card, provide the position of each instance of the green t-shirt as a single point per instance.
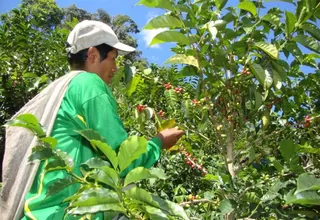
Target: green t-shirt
(87, 103)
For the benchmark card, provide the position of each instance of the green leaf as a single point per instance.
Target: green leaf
(142, 196)
(129, 72)
(312, 29)
(141, 173)
(302, 198)
(276, 79)
(96, 196)
(163, 21)
(107, 176)
(90, 134)
(263, 76)
(213, 30)
(272, 193)
(133, 84)
(49, 141)
(183, 59)
(308, 42)
(273, 19)
(290, 22)
(270, 49)
(108, 151)
(225, 207)
(40, 153)
(306, 182)
(56, 164)
(155, 214)
(28, 121)
(248, 6)
(169, 36)
(287, 149)
(280, 70)
(60, 184)
(96, 162)
(131, 149)
(258, 99)
(220, 3)
(97, 208)
(61, 155)
(165, 4)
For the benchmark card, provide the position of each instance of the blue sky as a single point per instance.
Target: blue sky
(140, 14)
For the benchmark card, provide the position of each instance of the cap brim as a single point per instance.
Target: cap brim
(123, 49)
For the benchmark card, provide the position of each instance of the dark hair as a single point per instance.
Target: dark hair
(77, 61)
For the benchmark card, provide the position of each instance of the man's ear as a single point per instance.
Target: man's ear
(93, 55)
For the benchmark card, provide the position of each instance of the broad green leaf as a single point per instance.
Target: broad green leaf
(287, 149)
(280, 70)
(171, 98)
(263, 76)
(147, 71)
(248, 6)
(60, 184)
(96, 162)
(155, 214)
(97, 208)
(141, 173)
(273, 19)
(277, 165)
(130, 150)
(183, 59)
(129, 72)
(303, 198)
(66, 158)
(40, 153)
(258, 99)
(166, 124)
(308, 42)
(172, 208)
(220, 3)
(49, 141)
(57, 164)
(165, 4)
(270, 49)
(225, 207)
(272, 193)
(276, 79)
(28, 121)
(306, 182)
(133, 85)
(108, 151)
(312, 29)
(163, 21)
(107, 176)
(170, 36)
(96, 196)
(90, 134)
(290, 22)
(142, 196)
(265, 119)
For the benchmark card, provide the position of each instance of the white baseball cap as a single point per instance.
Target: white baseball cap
(93, 33)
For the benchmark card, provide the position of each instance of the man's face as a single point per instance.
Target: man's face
(107, 68)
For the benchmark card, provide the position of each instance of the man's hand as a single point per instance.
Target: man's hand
(169, 137)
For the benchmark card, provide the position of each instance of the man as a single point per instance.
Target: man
(88, 103)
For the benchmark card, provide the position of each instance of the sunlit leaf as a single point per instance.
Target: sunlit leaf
(303, 198)
(312, 29)
(287, 149)
(50, 141)
(106, 175)
(141, 173)
(97, 208)
(163, 21)
(248, 6)
(225, 207)
(40, 153)
(96, 162)
(290, 22)
(183, 59)
(96, 196)
(308, 42)
(108, 151)
(133, 85)
(171, 123)
(165, 4)
(270, 49)
(263, 76)
(130, 150)
(258, 99)
(170, 36)
(306, 181)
